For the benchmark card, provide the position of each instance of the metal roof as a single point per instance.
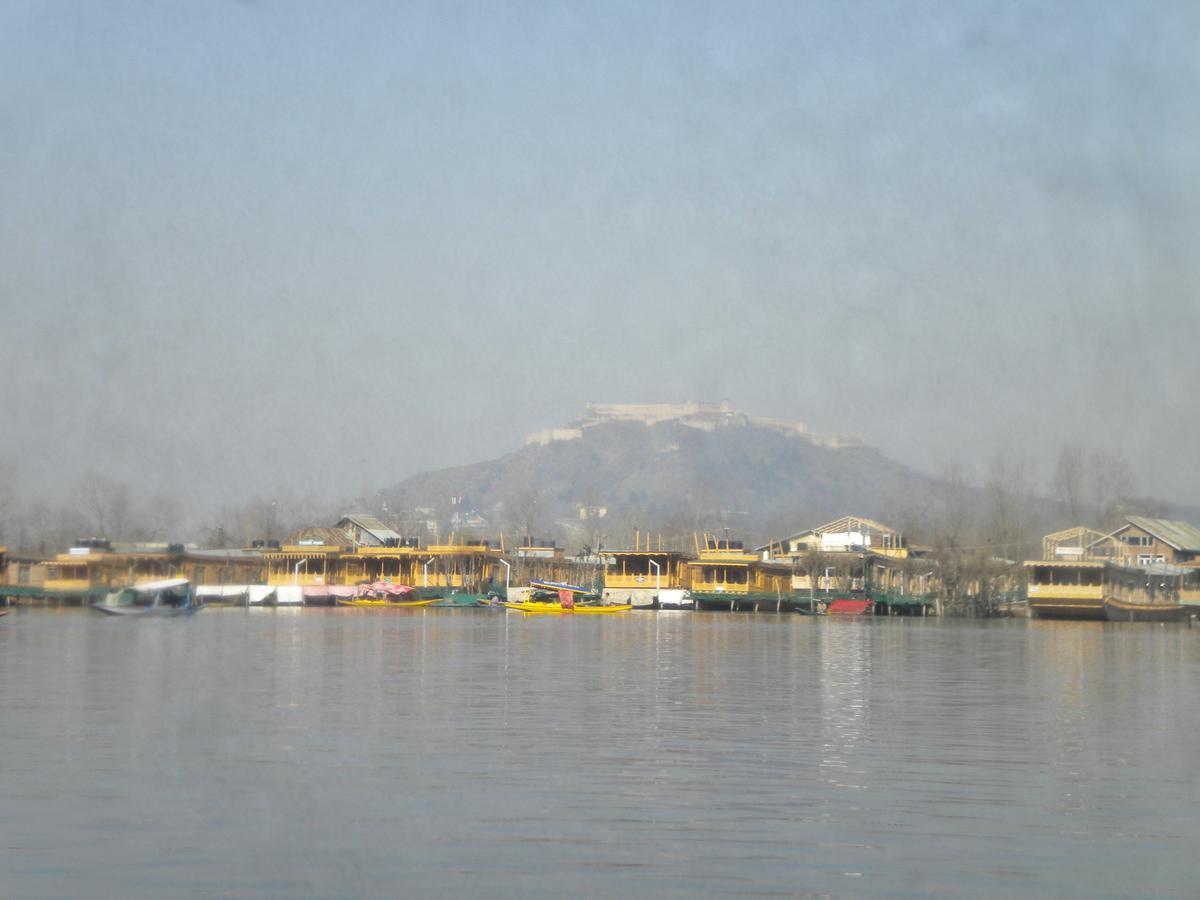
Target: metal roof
(231, 554)
(837, 526)
(642, 552)
(1182, 536)
(372, 526)
(1166, 569)
(332, 537)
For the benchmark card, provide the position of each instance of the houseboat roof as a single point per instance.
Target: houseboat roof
(1066, 563)
(1079, 531)
(371, 525)
(318, 534)
(231, 554)
(1183, 536)
(608, 552)
(1162, 568)
(844, 525)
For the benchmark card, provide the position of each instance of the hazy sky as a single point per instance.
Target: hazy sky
(327, 246)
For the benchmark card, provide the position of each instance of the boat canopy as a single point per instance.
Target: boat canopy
(560, 586)
(163, 585)
(205, 591)
(259, 593)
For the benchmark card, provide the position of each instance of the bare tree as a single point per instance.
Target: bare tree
(106, 504)
(1112, 485)
(524, 510)
(7, 511)
(814, 563)
(161, 518)
(1070, 482)
(1009, 511)
(954, 515)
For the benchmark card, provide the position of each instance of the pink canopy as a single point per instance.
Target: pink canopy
(386, 588)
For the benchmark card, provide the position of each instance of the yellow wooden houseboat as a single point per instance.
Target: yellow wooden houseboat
(467, 569)
(1066, 589)
(1082, 589)
(307, 564)
(726, 576)
(856, 557)
(646, 578)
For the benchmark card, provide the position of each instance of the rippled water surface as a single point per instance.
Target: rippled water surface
(470, 752)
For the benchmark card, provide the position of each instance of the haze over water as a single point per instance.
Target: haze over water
(279, 248)
(344, 752)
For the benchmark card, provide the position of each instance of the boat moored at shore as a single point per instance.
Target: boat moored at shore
(168, 597)
(1124, 611)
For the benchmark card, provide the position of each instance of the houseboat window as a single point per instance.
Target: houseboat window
(1090, 577)
(636, 566)
(1139, 540)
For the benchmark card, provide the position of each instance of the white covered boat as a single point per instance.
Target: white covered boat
(168, 597)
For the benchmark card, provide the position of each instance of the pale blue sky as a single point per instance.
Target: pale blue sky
(328, 246)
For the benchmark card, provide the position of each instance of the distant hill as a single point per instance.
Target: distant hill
(671, 475)
(677, 469)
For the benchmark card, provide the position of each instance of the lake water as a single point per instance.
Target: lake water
(322, 753)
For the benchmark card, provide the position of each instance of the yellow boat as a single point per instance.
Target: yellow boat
(536, 607)
(395, 603)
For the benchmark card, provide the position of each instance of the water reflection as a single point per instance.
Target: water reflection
(348, 752)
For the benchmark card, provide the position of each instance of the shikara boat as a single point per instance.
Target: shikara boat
(846, 606)
(384, 594)
(540, 607)
(559, 597)
(169, 597)
(392, 604)
(1125, 611)
(463, 601)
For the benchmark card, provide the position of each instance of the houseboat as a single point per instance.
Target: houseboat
(647, 579)
(1100, 590)
(1066, 589)
(726, 576)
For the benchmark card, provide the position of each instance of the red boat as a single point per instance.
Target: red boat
(843, 606)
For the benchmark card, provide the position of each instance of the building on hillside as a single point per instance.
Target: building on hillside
(1143, 541)
(701, 416)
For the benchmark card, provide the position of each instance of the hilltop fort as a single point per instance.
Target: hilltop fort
(702, 416)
